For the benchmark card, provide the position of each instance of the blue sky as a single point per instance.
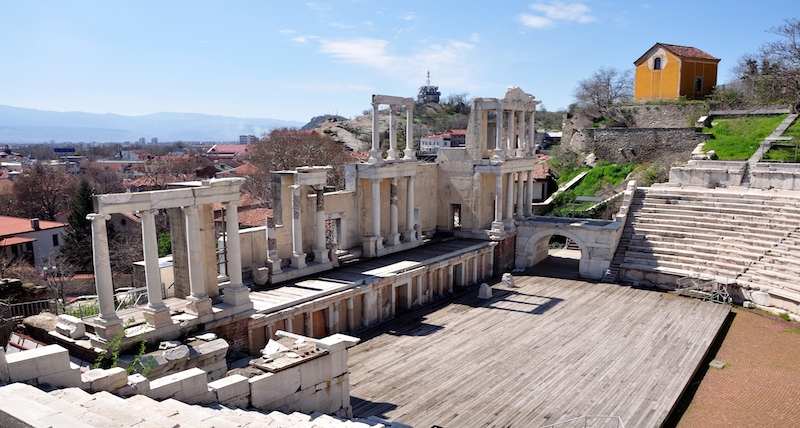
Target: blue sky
(293, 60)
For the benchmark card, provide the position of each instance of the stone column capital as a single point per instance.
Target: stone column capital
(191, 209)
(148, 212)
(232, 203)
(98, 217)
(296, 188)
(375, 180)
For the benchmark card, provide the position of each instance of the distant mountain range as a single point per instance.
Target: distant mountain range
(23, 125)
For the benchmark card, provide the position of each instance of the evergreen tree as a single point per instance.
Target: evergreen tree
(77, 247)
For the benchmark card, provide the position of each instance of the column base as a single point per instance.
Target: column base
(368, 246)
(374, 157)
(498, 229)
(274, 266)
(410, 235)
(393, 239)
(107, 328)
(379, 242)
(198, 306)
(157, 317)
(409, 155)
(392, 154)
(321, 256)
(236, 295)
(299, 261)
(520, 153)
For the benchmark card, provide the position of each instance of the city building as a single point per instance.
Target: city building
(33, 239)
(428, 93)
(247, 139)
(668, 72)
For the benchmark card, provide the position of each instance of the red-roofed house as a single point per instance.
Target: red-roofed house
(228, 151)
(544, 183)
(667, 72)
(33, 239)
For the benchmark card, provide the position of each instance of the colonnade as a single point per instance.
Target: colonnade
(506, 210)
(189, 200)
(395, 104)
(507, 144)
(394, 237)
(362, 307)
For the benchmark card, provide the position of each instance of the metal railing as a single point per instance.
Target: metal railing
(584, 422)
(24, 309)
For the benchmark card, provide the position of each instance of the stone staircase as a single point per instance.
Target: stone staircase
(612, 273)
(764, 146)
(23, 405)
(712, 232)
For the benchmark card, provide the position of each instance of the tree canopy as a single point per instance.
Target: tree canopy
(606, 86)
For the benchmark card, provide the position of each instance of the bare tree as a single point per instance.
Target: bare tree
(605, 87)
(287, 148)
(42, 192)
(774, 72)
(57, 276)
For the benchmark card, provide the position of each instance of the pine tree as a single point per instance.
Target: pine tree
(77, 247)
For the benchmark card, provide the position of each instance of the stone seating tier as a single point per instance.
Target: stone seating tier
(739, 247)
(74, 407)
(694, 252)
(685, 263)
(732, 209)
(758, 242)
(718, 227)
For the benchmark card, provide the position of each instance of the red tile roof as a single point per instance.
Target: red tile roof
(680, 51)
(541, 172)
(236, 149)
(10, 226)
(687, 52)
(4, 242)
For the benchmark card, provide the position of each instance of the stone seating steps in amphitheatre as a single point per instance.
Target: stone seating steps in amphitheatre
(752, 238)
(74, 407)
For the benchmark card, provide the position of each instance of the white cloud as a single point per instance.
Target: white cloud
(554, 12)
(408, 16)
(368, 23)
(341, 26)
(304, 39)
(319, 6)
(287, 31)
(371, 52)
(474, 38)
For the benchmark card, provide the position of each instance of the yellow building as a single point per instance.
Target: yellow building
(667, 72)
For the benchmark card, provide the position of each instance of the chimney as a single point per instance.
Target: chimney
(35, 223)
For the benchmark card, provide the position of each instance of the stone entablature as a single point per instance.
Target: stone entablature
(185, 204)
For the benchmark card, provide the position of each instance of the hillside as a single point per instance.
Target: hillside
(22, 125)
(429, 119)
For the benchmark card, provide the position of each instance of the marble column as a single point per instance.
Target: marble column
(410, 232)
(270, 331)
(520, 194)
(392, 153)
(475, 269)
(394, 235)
(298, 256)
(320, 250)
(522, 150)
(156, 312)
(235, 292)
(287, 324)
(450, 279)
(499, 143)
(374, 154)
(419, 290)
(512, 135)
(365, 310)
(308, 321)
(509, 197)
(331, 323)
(273, 262)
(532, 127)
(351, 316)
(376, 212)
(529, 194)
(108, 324)
(379, 305)
(409, 154)
(497, 224)
(197, 303)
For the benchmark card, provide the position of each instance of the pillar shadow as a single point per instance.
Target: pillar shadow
(365, 408)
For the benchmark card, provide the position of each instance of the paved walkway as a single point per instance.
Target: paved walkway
(760, 386)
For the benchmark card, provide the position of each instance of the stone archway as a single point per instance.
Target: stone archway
(536, 248)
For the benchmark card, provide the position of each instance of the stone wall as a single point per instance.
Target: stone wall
(317, 385)
(504, 255)
(656, 145)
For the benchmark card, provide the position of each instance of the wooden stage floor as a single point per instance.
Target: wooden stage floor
(550, 350)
